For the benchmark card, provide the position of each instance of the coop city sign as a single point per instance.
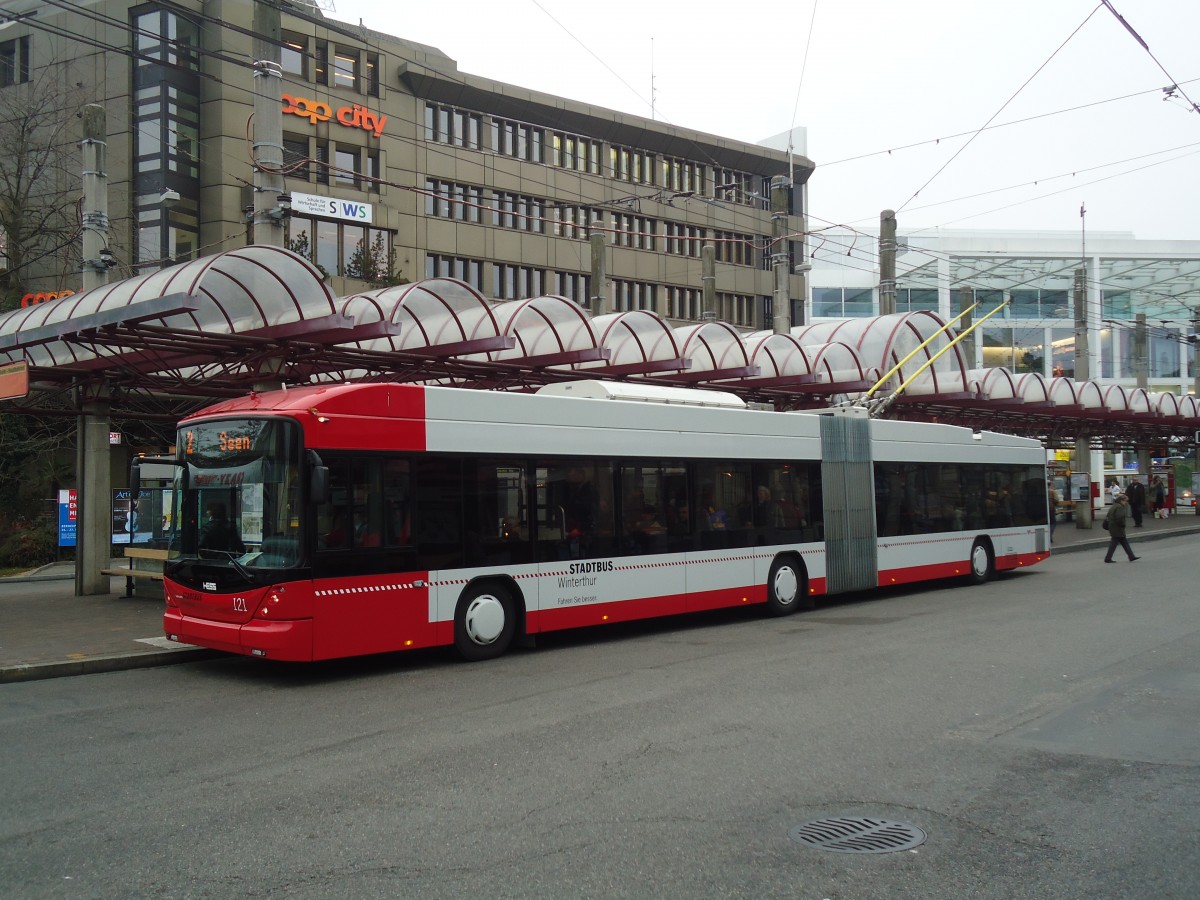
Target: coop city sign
(315, 111)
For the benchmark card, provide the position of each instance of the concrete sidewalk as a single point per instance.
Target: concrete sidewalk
(47, 632)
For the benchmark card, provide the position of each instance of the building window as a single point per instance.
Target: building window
(734, 187)
(372, 75)
(575, 221)
(466, 270)
(449, 200)
(682, 175)
(321, 63)
(345, 68)
(322, 158)
(683, 303)
(342, 248)
(447, 125)
(166, 123)
(630, 295)
(293, 55)
(569, 151)
(908, 300)
(374, 170)
(346, 166)
(629, 164)
(295, 156)
(684, 240)
(517, 282)
(574, 286)
(733, 248)
(838, 303)
(736, 309)
(518, 211)
(15, 66)
(518, 140)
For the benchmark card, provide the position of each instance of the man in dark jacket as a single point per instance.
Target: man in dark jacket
(1115, 520)
(1137, 501)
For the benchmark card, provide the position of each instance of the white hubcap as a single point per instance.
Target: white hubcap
(484, 619)
(979, 561)
(786, 585)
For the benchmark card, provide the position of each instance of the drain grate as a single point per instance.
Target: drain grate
(858, 835)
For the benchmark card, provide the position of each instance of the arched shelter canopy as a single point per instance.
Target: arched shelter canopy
(437, 317)
(639, 343)
(1164, 404)
(839, 367)
(1032, 388)
(1063, 393)
(996, 386)
(547, 331)
(716, 352)
(1138, 402)
(883, 342)
(780, 359)
(222, 313)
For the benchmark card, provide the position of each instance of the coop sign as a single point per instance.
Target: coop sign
(43, 297)
(354, 116)
(332, 208)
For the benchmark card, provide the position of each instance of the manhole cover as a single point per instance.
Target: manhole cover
(858, 835)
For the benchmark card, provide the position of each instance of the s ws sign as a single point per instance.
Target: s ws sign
(332, 208)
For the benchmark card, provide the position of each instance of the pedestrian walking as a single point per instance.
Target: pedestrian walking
(1137, 501)
(1114, 522)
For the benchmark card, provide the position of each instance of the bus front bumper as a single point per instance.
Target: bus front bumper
(291, 641)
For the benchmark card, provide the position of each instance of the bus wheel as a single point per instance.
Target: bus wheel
(785, 587)
(983, 566)
(484, 622)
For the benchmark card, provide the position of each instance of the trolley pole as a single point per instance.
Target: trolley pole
(96, 256)
(599, 292)
(1083, 444)
(1141, 369)
(1196, 354)
(271, 202)
(92, 450)
(887, 262)
(708, 283)
(781, 258)
(965, 299)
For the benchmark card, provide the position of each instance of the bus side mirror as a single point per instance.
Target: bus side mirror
(135, 479)
(318, 489)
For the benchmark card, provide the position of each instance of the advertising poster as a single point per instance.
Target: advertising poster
(68, 516)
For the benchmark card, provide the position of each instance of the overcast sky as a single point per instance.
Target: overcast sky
(881, 76)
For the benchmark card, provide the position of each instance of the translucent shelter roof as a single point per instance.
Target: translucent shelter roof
(252, 290)
(217, 325)
(441, 315)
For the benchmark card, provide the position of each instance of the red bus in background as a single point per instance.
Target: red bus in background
(326, 522)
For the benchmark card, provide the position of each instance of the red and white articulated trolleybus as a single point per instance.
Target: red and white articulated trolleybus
(333, 521)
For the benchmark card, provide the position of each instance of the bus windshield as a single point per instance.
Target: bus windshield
(237, 497)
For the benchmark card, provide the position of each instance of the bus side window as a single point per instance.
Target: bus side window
(333, 517)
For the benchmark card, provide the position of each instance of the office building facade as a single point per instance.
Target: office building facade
(399, 167)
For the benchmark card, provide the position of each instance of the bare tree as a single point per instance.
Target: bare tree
(40, 186)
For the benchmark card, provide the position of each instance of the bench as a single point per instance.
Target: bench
(130, 573)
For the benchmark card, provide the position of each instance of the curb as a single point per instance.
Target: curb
(93, 665)
(33, 576)
(1102, 542)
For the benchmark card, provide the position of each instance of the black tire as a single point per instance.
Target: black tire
(981, 567)
(484, 622)
(786, 587)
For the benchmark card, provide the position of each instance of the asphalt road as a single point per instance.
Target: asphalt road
(1042, 730)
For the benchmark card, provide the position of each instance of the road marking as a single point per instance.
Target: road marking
(163, 643)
